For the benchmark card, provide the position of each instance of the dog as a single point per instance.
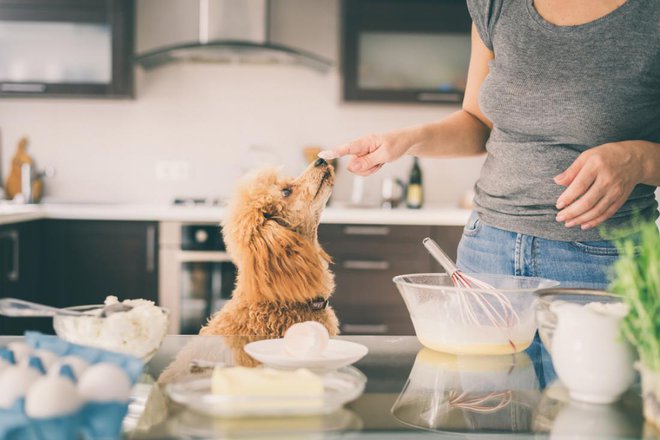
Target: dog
(283, 274)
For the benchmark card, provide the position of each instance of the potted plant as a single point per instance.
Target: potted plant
(637, 281)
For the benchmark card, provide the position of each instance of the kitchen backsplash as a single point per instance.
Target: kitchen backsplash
(212, 123)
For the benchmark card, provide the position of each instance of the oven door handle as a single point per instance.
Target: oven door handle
(151, 248)
(203, 257)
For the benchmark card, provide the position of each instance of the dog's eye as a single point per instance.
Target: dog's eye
(286, 192)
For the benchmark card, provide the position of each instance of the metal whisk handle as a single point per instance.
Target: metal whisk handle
(440, 255)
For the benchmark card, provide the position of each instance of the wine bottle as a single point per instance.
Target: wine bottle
(415, 191)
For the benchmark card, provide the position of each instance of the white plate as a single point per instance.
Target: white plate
(339, 387)
(337, 354)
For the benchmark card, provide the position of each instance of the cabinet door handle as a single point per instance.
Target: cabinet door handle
(439, 97)
(366, 230)
(151, 248)
(23, 87)
(366, 265)
(15, 272)
(365, 328)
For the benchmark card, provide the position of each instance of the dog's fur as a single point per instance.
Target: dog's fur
(271, 235)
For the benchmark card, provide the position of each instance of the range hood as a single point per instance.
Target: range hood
(214, 31)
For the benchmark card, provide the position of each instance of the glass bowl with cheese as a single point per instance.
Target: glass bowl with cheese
(472, 321)
(138, 331)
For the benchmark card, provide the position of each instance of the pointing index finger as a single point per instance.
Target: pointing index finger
(336, 153)
(357, 148)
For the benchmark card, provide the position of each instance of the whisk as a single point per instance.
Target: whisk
(492, 304)
(480, 404)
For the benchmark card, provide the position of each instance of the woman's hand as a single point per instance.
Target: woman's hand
(599, 182)
(373, 151)
(459, 134)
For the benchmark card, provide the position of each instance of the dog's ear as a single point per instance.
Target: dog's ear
(282, 265)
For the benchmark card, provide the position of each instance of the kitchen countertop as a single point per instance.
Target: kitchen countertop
(438, 215)
(411, 392)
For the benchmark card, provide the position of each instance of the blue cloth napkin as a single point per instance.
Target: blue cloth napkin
(131, 365)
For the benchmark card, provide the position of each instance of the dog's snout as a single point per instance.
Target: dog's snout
(320, 162)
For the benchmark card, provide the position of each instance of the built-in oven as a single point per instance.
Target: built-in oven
(196, 274)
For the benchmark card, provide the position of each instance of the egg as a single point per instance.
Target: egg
(306, 339)
(52, 396)
(77, 364)
(15, 382)
(4, 364)
(21, 350)
(104, 382)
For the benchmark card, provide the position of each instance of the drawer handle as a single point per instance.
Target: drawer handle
(439, 97)
(365, 328)
(23, 87)
(366, 265)
(14, 273)
(367, 230)
(151, 248)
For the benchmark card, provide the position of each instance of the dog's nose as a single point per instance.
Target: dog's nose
(320, 162)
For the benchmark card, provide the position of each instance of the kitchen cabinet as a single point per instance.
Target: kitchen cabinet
(366, 258)
(405, 50)
(66, 48)
(84, 261)
(20, 268)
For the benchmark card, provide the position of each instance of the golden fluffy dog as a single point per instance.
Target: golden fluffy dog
(271, 235)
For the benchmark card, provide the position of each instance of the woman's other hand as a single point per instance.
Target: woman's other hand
(599, 182)
(371, 152)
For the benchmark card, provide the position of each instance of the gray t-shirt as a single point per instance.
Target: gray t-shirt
(554, 92)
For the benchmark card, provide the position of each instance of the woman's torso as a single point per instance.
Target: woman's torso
(555, 91)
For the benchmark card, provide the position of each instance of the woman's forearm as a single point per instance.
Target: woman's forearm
(459, 134)
(649, 156)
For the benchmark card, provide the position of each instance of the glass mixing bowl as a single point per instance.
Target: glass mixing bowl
(472, 321)
(135, 333)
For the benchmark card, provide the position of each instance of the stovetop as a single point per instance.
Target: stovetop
(199, 201)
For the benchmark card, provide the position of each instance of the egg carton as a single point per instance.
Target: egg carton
(95, 419)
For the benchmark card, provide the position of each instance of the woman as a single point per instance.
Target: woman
(564, 96)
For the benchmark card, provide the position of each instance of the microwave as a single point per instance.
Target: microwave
(405, 50)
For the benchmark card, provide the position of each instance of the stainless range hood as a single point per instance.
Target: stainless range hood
(214, 31)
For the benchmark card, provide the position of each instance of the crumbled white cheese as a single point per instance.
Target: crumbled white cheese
(138, 332)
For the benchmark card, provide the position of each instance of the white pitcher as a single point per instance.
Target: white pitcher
(590, 356)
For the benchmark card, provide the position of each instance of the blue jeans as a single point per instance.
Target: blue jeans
(485, 249)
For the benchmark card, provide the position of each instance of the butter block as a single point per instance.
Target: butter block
(259, 391)
(265, 382)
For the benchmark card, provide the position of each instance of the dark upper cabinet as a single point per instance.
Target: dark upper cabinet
(405, 50)
(20, 268)
(85, 261)
(66, 48)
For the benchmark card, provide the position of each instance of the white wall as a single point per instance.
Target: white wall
(208, 115)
